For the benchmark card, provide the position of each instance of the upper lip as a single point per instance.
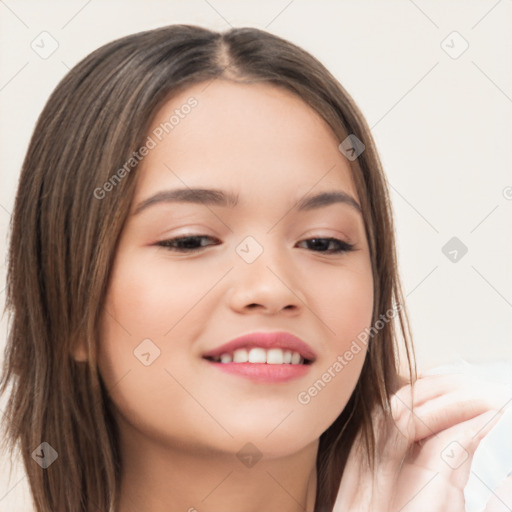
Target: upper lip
(282, 339)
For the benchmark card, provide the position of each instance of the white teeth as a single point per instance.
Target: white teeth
(261, 355)
(240, 356)
(226, 358)
(257, 355)
(275, 356)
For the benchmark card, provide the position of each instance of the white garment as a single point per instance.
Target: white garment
(492, 461)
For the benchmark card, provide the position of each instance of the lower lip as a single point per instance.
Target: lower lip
(263, 372)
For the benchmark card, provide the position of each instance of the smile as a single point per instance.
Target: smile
(261, 355)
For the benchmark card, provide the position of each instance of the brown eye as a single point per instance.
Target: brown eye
(329, 245)
(185, 243)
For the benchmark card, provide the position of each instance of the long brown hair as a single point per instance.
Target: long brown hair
(63, 241)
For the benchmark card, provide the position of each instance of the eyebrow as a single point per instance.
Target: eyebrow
(217, 197)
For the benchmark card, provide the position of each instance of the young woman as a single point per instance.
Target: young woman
(206, 310)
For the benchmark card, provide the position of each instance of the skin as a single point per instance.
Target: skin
(182, 421)
(424, 458)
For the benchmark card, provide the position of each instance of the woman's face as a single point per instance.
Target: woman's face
(263, 265)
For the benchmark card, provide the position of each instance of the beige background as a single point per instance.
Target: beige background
(443, 126)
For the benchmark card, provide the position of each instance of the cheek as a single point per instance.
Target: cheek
(344, 303)
(347, 305)
(150, 317)
(342, 299)
(147, 311)
(147, 298)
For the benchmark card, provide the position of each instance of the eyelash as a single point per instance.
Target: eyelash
(167, 244)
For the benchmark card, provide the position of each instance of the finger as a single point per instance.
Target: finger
(444, 412)
(450, 452)
(444, 400)
(437, 472)
(447, 410)
(428, 387)
(495, 394)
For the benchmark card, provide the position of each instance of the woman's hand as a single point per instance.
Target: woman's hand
(424, 457)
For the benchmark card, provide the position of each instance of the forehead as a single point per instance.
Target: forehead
(252, 137)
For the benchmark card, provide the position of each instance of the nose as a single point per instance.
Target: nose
(266, 286)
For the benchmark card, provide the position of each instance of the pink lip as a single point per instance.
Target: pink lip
(263, 372)
(282, 339)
